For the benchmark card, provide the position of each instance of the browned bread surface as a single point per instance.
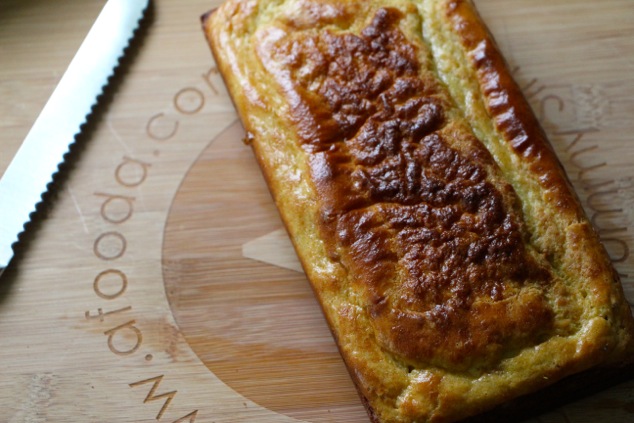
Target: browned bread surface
(451, 258)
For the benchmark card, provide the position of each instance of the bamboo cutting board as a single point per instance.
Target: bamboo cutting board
(158, 284)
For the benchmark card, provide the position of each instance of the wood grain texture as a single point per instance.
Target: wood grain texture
(157, 284)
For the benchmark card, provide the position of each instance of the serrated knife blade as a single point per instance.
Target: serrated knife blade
(42, 151)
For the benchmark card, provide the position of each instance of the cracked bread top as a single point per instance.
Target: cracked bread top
(452, 259)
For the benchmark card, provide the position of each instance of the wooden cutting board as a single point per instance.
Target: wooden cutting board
(158, 284)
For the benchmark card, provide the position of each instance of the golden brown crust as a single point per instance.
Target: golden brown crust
(512, 115)
(450, 256)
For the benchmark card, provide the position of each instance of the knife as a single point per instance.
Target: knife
(43, 150)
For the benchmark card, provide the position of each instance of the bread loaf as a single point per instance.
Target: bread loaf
(449, 253)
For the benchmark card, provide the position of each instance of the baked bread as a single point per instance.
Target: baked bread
(452, 260)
